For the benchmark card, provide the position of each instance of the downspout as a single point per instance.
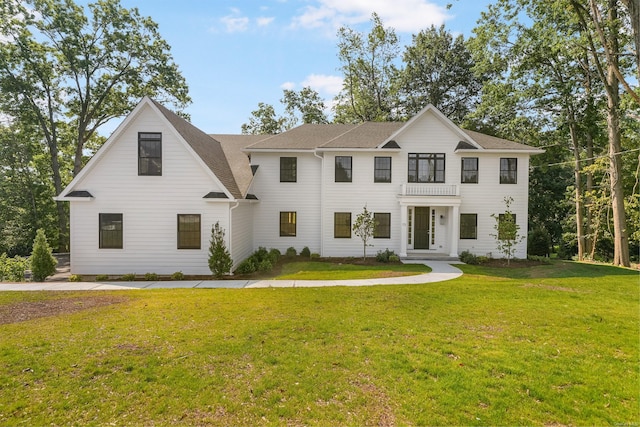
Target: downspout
(315, 153)
(231, 233)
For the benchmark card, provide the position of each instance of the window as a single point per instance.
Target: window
(468, 226)
(149, 153)
(342, 225)
(288, 169)
(509, 230)
(383, 226)
(110, 231)
(343, 168)
(382, 169)
(508, 171)
(426, 167)
(188, 231)
(287, 224)
(469, 170)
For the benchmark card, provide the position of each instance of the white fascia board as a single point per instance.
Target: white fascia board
(363, 150)
(531, 151)
(278, 150)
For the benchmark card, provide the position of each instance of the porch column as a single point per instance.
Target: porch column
(455, 230)
(403, 231)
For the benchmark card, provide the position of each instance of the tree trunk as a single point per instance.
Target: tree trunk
(63, 234)
(579, 192)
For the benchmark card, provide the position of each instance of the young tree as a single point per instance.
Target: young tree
(364, 227)
(43, 263)
(220, 261)
(507, 231)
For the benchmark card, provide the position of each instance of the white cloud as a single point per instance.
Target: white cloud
(288, 85)
(235, 23)
(263, 21)
(404, 15)
(325, 85)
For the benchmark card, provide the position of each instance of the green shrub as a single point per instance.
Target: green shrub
(12, 269)
(102, 277)
(291, 252)
(150, 277)
(129, 277)
(75, 278)
(265, 265)
(246, 267)
(274, 256)
(305, 252)
(315, 255)
(43, 264)
(541, 259)
(220, 261)
(177, 276)
(539, 242)
(383, 256)
(469, 258)
(394, 258)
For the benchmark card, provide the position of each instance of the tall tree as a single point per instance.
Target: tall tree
(370, 76)
(439, 70)
(61, 68)
(264, 120)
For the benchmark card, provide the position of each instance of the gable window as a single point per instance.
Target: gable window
(342, 225)
(288, 169)
(343, 169)
(382, 169)
(288, 224)
(110, 231)
(507, 231)
(508, 171)
(426, 167)
(188, 231)
(469, 170)
(468, 226)
(383, 226)
(149, 153)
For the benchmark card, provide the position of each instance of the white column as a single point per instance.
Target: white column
(455, 230)
(403, 230)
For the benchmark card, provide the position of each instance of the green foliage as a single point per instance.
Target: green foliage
(291, 252)
(150, 277)
(539, 243)
(102, 277)
(364, 227)
(261, 260)
(274, 255)
(220, 261)
(469, 258)
(247, 266)
(394, 258)
(265, 265)
(314, 255)
(75, 278)
(129, 277)
(12, 269)
(507, 231)
(385, 256)
(178, 275)
(43, 264)
(305, 252)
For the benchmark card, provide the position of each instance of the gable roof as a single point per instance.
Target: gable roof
(489, 142)
(232, 146)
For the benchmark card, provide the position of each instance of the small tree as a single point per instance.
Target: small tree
(507, 236)
(220, 261)
(43, 264)
(364, 227)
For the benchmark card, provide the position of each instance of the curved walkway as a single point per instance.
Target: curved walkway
(440, 271)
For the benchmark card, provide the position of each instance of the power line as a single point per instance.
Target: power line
(571, 162)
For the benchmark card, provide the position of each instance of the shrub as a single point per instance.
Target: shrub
(291, 252)
(150, 276)
(129, 277)
(539, 242)
(541, 259)
(265, 265)
(75, 278)
(469, 258)
(305, 252)
(383, 256)
(394, 258)
(102, 277)
(246, 267)
(274, 256)
(315, 255)
(177, 276)
(43, 264)
(220, 261)
(12, 269)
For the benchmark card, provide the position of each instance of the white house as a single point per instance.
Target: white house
(147, 200)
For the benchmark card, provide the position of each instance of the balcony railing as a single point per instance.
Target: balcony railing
(414, 189)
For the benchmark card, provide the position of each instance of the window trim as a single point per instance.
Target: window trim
(101, 237)
(179, 243)
(475, 226)
(149, 159)
(463, 170)
(377, 232)
(437, 158)
(377, 169)
(509, 175)
(335, 225)
(348, 172)
(292, 169)
(283, 233)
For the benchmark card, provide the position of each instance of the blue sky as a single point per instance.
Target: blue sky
(237, 53)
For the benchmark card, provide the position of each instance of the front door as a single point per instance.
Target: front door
(421, 232)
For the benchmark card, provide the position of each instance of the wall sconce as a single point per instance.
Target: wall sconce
(442, 219)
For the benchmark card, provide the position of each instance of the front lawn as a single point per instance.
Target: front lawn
(547, 345)
(335, 270)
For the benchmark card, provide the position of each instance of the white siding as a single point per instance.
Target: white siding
(149, 204)
(242, 231)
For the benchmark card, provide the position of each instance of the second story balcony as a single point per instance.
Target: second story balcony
(419, 189)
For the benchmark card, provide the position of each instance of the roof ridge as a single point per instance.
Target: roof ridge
(342, 134)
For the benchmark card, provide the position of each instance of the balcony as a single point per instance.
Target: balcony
(414, 189)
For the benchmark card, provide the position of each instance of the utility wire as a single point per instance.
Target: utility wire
(571, 162)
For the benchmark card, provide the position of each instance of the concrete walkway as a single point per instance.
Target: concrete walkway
(440, 271)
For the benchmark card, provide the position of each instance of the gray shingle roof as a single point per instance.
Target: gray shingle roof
(494, 143)
(232, 145)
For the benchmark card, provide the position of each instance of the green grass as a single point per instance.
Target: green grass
(316, 270)
(549, 345)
